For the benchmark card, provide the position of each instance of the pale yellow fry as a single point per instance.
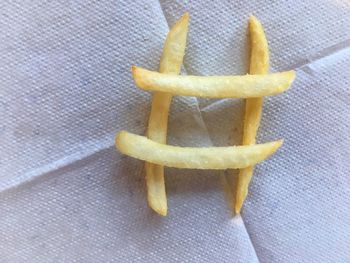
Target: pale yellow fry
(171, 61)
(259, 64)
(174, 47)
(246, 86)
(231, 157)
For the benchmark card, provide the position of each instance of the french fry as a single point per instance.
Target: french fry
(231, 157)
(247, 86)
(171, 61)
(259, 64)
(167, 82)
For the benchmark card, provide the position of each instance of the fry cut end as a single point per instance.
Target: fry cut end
(136, 75)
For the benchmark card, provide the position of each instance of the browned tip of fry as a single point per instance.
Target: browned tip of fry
(133, 69)
(185, 16)
(136, 75)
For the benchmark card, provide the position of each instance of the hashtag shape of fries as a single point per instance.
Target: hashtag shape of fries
(167, 82)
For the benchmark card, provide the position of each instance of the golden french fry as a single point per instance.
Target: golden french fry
(246, 86)
(259, 64)
(171, 61)
(231, 157)
(259, 53)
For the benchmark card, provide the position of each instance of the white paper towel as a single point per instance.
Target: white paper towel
(66, 89)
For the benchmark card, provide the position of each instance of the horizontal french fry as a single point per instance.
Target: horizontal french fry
(246, 86)
(170, 62)
(259, 64)
(194, 158)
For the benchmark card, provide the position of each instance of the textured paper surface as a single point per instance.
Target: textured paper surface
(66, 195)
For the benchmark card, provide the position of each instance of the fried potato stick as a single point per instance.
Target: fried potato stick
(259, 64)
(231, 157)
(246, 86)
(171, 61)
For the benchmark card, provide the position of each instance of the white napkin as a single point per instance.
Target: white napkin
(66, 194)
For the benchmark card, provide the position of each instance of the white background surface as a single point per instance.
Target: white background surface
(66, 195)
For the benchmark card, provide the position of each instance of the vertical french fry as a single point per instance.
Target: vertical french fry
(171, 61)
(259, 64)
